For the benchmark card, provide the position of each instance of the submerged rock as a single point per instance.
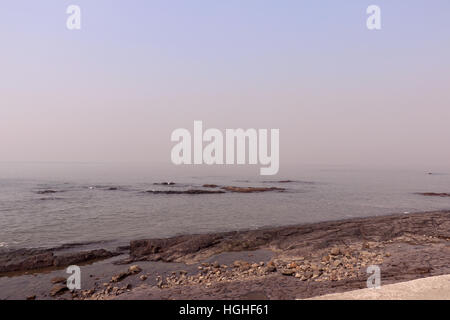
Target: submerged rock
(251, 189)
(434, 194)
(47, 191)
(190, 191)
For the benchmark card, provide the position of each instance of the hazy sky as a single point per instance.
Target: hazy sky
(137, 70)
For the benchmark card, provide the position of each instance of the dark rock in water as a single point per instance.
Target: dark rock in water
(34, 259)
(280, 181)
(434, 194)
(47, 191)
(290, 181)
(210, 186)
(33, 297)
(107, 188)
(190, 191)
(251, 189)
(58, 290)
(164, 183)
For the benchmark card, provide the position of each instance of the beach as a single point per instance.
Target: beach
(291, 262)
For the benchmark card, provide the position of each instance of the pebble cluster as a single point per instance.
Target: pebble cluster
(334, 264)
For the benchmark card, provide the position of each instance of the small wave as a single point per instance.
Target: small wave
(3, 245)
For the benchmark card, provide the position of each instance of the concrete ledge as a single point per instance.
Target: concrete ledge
(432, 288)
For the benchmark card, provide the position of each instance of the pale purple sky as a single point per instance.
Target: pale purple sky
(115, 90)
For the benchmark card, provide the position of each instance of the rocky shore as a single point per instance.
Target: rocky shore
(272, 263)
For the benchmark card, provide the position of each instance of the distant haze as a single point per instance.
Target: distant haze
(115, 90)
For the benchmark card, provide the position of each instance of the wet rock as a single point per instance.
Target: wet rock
(210, 186)
(190, 191)
(164, 183)
(33, 297)
(47, 191)
(434, 194)
(251, 189)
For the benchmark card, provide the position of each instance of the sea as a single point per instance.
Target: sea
(52, 204)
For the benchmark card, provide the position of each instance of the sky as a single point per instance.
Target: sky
(137, 70)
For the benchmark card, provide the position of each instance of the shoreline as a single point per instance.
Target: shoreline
(298, 261)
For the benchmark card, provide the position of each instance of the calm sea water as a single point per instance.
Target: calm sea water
(86, 209)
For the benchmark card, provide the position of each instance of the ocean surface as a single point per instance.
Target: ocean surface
(93, 203)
